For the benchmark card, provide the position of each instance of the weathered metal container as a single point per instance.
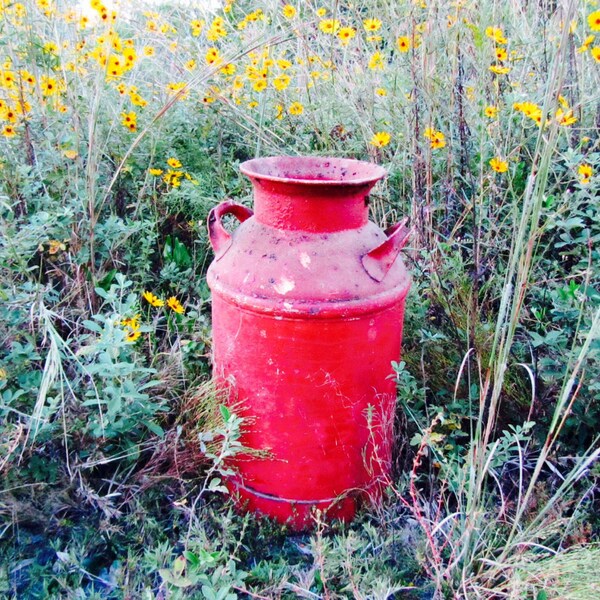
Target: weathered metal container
(307, 307)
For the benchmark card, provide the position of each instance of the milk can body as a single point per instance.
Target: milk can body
(307, 308)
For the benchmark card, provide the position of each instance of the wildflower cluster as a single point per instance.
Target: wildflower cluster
(563, 115)
(283, 87)
(174, 174)
(172, 302)
(530, 110)
(436, 139)
(131, 326)
(500, 53)
(593, 21)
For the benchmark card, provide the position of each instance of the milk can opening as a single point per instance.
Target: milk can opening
(313, 170)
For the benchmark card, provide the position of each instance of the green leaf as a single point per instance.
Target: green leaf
(92, 326)
(154, 428)
(180, 582)
(225, 413)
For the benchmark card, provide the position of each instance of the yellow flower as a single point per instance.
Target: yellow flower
(321, 12)
(345, 34)
(376, 62)
(586, 43)
(50, 48)
(148, 51)
(8, 131)
(490, 111)
(496, 34)
(529, 109)
(115, 66)
(499, 165)
(565, 118)
(27, 77)
(173, 178)
(175, 305)
(137, 100)
(8, 114)
(155, 172)
(130, 56)
(129, 120)
(329, 26)
(133, 322)
(132, 335)
(252, 104)
(436, 138)
(403, 43)
(217, 29)
(499, 69)
(49, 86)
(296, 108)
(8, 79)
(585, 173)
(197, 25)
(70, 154)
(371, 24)
(152, 299)
(596, 53)
(288, 11)
(213, 57)
(594, 20)
(174, 163)
(381, 91)
(190, 65)
(501, 54)
(56, 246)
(380, 139)
(281, 82)
(259, 85)
(228, 69)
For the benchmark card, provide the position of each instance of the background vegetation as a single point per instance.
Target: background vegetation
(122, 125)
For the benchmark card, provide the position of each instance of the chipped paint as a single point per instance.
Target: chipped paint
(284, 285)
(305, 260)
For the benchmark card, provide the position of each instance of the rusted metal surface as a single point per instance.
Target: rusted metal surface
(308, 303)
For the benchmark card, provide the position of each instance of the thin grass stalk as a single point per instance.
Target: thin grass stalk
(521, 258)
(553, 431)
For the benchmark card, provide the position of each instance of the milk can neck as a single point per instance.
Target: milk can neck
(311, 193)
(310, 207)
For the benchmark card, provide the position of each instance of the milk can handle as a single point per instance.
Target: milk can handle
(379, 261)
(220, 238)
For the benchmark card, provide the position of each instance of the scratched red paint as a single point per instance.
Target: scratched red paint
(308, 304)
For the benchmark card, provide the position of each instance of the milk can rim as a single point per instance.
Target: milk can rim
(371, 172)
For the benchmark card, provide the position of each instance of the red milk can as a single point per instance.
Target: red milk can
(307, 308)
